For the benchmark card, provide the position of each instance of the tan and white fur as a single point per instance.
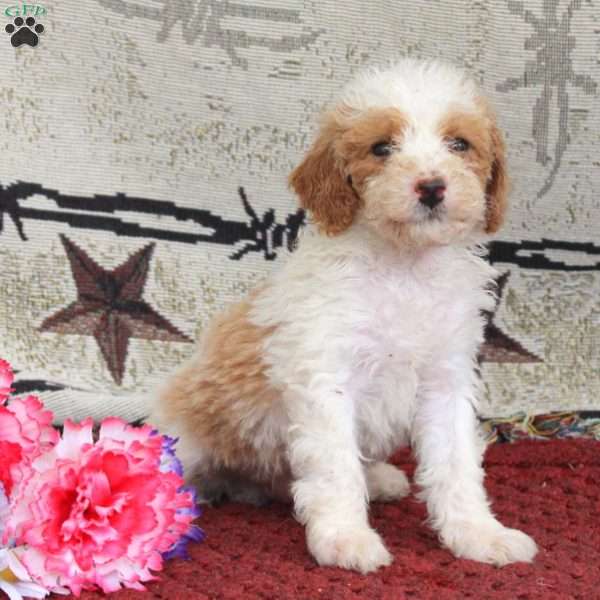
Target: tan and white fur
(366, 339)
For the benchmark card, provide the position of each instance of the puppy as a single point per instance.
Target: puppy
(366, 339)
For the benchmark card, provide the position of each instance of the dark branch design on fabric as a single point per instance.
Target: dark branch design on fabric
(29, 386)
(269, 234)
(529, 254)
(261, 234)
(499, 347)
(109, 306)
(9, 205)
(552, 68)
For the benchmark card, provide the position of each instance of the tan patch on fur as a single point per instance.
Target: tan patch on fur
(342, 150)
(486, 157)
(223, 393)
(499, 184)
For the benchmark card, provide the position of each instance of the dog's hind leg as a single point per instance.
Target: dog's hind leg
(386, 482)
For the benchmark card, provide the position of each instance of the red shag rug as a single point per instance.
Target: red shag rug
(549, 489)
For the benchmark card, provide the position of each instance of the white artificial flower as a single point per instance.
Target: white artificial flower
(14, 579)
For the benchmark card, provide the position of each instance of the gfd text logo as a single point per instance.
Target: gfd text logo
(25, 10)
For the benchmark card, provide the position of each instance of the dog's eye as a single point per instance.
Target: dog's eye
(381, 149)
(458, 144)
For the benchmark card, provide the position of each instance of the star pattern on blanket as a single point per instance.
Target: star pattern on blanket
(110, 307)
(499, 347)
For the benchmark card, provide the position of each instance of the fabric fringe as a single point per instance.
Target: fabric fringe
(581, 424)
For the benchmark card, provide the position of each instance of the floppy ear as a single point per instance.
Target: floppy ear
(498, 184)
(322, 186)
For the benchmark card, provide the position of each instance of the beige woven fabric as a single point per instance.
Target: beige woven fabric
(136, 123)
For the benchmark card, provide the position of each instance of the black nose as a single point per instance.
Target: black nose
(431, 191)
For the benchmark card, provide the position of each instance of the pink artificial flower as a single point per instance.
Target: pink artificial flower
(99, 512)
(4, 511)
(25, 432)
(6, 379)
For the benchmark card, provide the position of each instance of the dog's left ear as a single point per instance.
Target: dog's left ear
(322, 186)
(498, 184)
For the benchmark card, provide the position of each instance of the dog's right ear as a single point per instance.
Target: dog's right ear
(323, 187)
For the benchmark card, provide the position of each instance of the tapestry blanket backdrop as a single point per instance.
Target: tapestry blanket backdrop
(145, 148)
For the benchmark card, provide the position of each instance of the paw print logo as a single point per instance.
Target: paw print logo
(24, 32)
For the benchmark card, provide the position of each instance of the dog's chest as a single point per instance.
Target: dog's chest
(408, 316)
(409, 312)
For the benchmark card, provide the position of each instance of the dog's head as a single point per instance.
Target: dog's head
(412, 151)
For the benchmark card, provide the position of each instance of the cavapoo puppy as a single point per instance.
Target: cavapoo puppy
(366, 339)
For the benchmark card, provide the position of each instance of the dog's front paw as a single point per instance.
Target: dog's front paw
(360, 549)
(489, 542)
